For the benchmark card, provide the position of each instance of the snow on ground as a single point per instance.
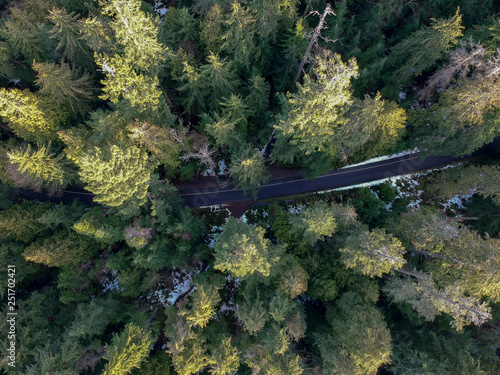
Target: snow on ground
(160, 8)
(381, 158)
(222, 168)
(457, 201)
(181, 281)
(111, 283)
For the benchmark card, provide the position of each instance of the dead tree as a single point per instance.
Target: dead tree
(328, 10)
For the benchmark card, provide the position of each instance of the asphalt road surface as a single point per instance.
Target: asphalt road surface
(212, 194)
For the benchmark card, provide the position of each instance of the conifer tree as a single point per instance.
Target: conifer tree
(242, 250)
(39, 169)
(203, 303)
(157, 140)
(61, 84)
(119, 177)
(373, 252)
(122, 81)
(211, 28)
(20, 222)
(418, 52)
(360, 342)
(127, 350)
(136, 32)
(219, 79)
(68, 31)
(224, 359)
(61, 250)
(239, 37)
(313, 223)
(253, 314)
(249, 171)
(421, 291)
(293, 282)
(483, 180)
(319, 107)
(186, 348)
(30, 117)
(194, 88)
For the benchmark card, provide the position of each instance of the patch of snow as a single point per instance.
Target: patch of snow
(160, 8)
(385, 157)
(294, 209)
(111, 283)
(457, 201)
(208, 172)
(222, 168)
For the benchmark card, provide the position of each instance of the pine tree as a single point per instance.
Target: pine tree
(39, 169)
(157, 140)
(483, 180)
(224, 359)
(257, 99)
(186, 348)
(360, 342)
(119, 178)
(194, 88)
(122, 81)
(103, 228)
(219, 79)
(319, 107)
(136, 32)
(61, 250)
(418, 52)
(249, 171)
(242, 250)
(211, 28)
(429, 300)
(20, 222)
(68, 31)
(238, 39)
(313, 223)
(61, 84)
(203, 302)
(373, 253)
(30, 117)
(127, 350)
(253, 314)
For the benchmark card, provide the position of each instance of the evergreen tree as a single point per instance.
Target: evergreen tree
(242, 250)
(61, 250)
(68, 31)
(313, 223)
(253, 314)
(483, 180)
(249, 171)
(419, 52)
(373, 253)
(127, 350)
(219, 79)
(118, 178)
(157, 140)
(136, 32)
(360, 342)
(293, 282)
(319, 107)
(203, 301)
(186, 348)
(429, 300)
(99, 226)
(59, 82)
(39, 169)
(122, 81)
(239, 37)
(20, 222)
(211, 28)
(224, 359)
(30, 117)
(194, 88)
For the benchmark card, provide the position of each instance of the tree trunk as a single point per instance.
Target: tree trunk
(317, 30)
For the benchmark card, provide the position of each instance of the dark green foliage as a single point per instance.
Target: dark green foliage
(371, 210)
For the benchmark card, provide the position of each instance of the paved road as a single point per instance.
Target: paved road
(212, 194)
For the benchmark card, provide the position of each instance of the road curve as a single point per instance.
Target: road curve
(211, 194)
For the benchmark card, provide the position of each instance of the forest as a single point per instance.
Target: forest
(127, 99)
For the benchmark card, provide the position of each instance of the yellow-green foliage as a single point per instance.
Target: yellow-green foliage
(28, 116)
